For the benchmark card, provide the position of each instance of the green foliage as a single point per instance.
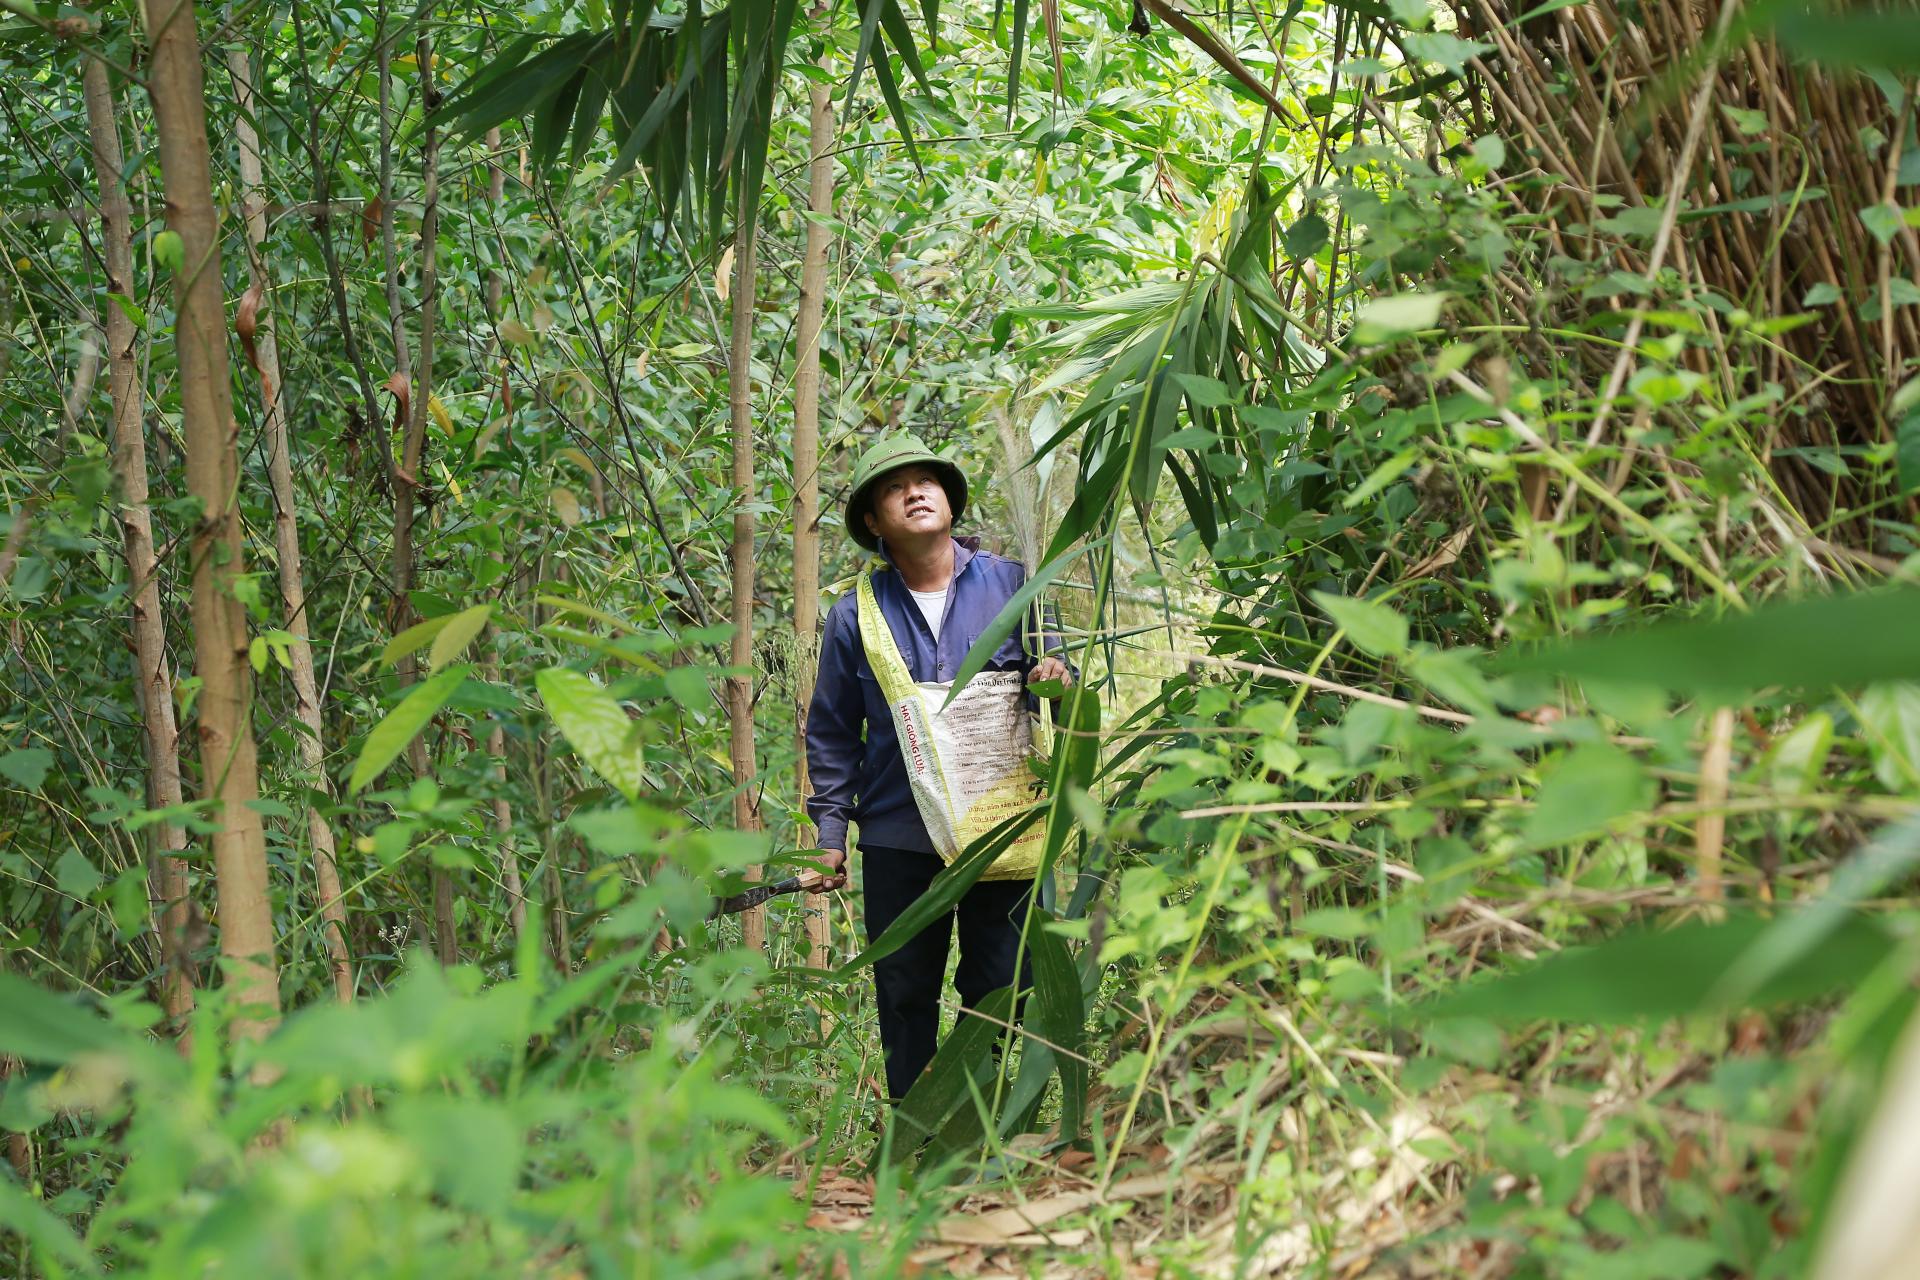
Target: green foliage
(1392, 770)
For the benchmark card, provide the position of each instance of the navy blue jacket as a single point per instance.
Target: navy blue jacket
(858, 776)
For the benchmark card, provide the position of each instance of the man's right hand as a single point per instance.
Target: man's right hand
(832, 874)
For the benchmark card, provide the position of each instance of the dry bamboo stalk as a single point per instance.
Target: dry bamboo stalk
(806, 457)
(229, 762)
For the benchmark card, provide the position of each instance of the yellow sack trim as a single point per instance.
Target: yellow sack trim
(966, 763)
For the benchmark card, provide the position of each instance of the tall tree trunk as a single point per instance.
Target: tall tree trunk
(229, 768)
(806, 461)
(412, 449)
(265, 353)
(167, 871)
(746, 807)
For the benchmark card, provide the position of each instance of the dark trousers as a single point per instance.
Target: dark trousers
(907, 983)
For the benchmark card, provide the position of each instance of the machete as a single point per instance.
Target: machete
(755, 896)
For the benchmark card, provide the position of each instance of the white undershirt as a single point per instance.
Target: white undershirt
(933, 607)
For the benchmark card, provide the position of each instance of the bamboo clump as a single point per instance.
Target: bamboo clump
(1770, 159)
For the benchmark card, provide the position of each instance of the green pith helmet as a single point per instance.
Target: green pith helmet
(887, 454)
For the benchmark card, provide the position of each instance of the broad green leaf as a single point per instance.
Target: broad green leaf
(471, 1145)
(1815, 642)
(169, 252)
(457, 633)
(1651, 972)
(1381, 318)
(1882, 220)
(1450, 52)
(27, 766)
(1797, 760)
(687, 686)
(38, 1026)
(595, 726)
(1886, 39)
(391, 736)
(1589, 787)
(75, 875)
(1891, 715)
(1307, 236)
(1372, 626)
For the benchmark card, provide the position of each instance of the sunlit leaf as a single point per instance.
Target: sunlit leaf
(595, 726)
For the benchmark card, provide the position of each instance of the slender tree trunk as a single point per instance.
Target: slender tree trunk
(390, 254)
(503, 822)
(265, 352)
(496, 192)
(167, 874)
(746, 807)
(230, 771)
(497, 740)
(806, 462)
(412, 451)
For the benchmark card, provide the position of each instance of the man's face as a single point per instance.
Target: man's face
(908, 502)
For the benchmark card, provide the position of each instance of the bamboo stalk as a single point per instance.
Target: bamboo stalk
(286, 531)
(746, 807)
(229, 764)
(806, 455)
(167, 875)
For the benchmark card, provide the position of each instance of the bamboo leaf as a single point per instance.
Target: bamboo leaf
(1653, 972)
(1059, 1013)
(1818, 642)
(1009, 617)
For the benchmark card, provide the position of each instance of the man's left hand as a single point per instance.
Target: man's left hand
(1051, 669)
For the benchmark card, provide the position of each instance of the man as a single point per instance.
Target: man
(936, 597)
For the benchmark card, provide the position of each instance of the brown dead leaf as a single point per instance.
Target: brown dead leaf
(1002, 1225)
(723, 276)
(1441, 556)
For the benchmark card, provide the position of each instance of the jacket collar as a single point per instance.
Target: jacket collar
(963, 548)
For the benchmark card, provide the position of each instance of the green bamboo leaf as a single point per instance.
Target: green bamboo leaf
(1650, 973)
(1375, 627)
(1058, 1012)
(595, 726)
(456, 633)
(1819, 642)
(963, 1058)
(391, 736)
(946, 889)
(1009, 617)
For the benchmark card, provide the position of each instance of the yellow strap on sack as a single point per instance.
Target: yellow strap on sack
(966, 762)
